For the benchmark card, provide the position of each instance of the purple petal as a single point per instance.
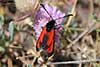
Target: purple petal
(42, 18)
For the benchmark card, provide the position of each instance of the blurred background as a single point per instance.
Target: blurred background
(79, 38)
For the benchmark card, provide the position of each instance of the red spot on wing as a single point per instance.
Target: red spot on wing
(50, 40)
(40, 39)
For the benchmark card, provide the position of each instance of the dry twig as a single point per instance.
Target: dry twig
(81, 35)
(73, 62)
(70, 17)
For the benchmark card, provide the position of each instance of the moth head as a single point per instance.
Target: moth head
(50, 25)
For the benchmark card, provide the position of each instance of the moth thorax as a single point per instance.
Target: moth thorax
(50, 25)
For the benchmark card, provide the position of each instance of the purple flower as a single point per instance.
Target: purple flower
(42, 18)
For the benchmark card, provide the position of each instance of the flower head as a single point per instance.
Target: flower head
(42, 18)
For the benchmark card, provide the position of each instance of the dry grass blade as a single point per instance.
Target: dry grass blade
(88, 29)
(70, 17)
(81, 35)
(9, 62)
(36, 5)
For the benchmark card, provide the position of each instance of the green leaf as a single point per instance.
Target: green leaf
(2, 49)
(1, 20)
(11, 30)
(94, 16)
(1, 24)
(29, 65)
(98, 66)
(1, 33)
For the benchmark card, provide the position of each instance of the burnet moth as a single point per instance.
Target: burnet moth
(46, 41)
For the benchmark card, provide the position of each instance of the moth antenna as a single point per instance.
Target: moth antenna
(46, 10)
(64, 16)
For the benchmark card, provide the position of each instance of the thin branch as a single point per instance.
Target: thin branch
(15, 47)
(73, 62)
(24, 56)
(17, 19)
(81, 35)
(81, 29)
